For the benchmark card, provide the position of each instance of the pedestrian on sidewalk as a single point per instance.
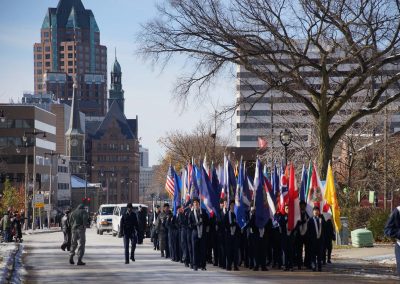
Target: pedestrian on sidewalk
(78, 220)
(5, 223)
(66, 228)
(128, 230)
(392, 230)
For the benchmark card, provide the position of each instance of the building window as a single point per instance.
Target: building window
(46, 34)
(70, 63)
(70, 55)
(39, 71)
(39, 64)
(61, 48)
(47, 64)
(62, 63)
(39, 56)
(70, 70)
(47, 48)
(70, 47)
(39, 49)
(62, 55)
(127, 147)
(47, 56)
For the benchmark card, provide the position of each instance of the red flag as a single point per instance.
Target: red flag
(294, 207)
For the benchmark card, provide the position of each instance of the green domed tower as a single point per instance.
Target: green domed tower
(116, 92)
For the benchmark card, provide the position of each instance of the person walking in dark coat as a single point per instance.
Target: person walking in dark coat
(329, 237)
(142, 224)
(392, 230)
(66, 229)
(128, 228)
(232, 238)
(162, 230)
(197, 222)
(221, 234)
(287, 240)
(316, 236)
(153, 222)
(5, 223)
(302, 238)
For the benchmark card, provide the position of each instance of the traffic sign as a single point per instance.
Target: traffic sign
(39, 200)
(47, 207)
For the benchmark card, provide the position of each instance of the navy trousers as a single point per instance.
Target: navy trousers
(129, 239)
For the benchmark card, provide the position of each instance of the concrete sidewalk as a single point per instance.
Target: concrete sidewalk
(41, 231)
(379, 254)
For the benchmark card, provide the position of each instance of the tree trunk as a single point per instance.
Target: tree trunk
(325, 148)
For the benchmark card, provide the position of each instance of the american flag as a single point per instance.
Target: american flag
(170, 183)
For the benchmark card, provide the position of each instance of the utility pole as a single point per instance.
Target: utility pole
(272, 130)
(385, 156)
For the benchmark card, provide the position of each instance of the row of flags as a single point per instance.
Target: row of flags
(268, 192)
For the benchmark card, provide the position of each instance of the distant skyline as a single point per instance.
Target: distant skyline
(148, 91)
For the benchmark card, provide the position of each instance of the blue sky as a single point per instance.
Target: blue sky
(148, 91)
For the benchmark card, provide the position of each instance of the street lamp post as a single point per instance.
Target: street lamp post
(25, 139)
(51, 154)
(286, 138)
(26, 217)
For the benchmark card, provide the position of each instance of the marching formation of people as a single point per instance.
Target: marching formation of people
(196, 238)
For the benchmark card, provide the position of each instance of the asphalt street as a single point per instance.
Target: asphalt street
(45, 262)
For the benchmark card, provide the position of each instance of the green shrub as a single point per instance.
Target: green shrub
(372, 218)
(377, 222)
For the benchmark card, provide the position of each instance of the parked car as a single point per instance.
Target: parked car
(104, 218)
(119, 210)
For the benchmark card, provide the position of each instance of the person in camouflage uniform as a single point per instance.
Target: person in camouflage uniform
(162, 230)
(78, 221)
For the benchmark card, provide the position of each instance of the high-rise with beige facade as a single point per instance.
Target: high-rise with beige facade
(70, 48)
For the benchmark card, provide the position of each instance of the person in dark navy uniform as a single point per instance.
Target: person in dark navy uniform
(232, 238)
(221, 235)
(197, 222)
(316, 236)
(392, 230)
(301, 240)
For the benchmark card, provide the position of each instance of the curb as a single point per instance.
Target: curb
(40, 232)
(13, 259)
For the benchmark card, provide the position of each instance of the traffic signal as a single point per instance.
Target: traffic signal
(86, 200)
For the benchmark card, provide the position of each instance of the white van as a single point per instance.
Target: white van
(104, 218)
(119, 210)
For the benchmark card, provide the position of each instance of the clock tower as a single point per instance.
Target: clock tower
(75, 136)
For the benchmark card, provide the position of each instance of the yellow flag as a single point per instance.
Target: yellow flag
(331, 198)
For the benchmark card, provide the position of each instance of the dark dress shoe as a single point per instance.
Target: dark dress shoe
(71, 260)
(264, 269)
(236, 268)
(255, 269)
(80, 262)
(132, 258)
(126, 261)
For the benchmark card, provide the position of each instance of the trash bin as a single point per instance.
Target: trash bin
(342, 237)
(362, 238)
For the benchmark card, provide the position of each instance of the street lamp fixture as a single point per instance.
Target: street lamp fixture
(2, 117)
(25, 139)
(286, 138)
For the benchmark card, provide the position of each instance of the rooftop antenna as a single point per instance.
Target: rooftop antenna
(115, 53)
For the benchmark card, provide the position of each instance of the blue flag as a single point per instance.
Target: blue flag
(217, 187)
(261, 199)
(194, 183)
(242, 203)
(275, 184)
(303, 187)
(210, 199)
(177, 192)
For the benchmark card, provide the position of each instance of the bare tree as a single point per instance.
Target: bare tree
(181, 147)
(283, 43)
